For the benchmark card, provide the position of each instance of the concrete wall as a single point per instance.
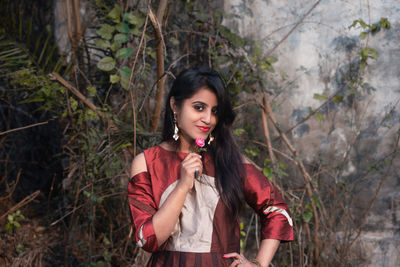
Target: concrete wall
(316, 59)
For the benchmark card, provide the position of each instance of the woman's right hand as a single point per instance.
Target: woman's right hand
(188, 167)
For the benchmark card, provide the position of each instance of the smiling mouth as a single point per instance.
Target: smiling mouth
(204, 129)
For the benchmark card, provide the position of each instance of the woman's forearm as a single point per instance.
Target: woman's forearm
(267, 251)
(165, 219)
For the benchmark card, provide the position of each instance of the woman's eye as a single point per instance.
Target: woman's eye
(198, 107)
(214, 110)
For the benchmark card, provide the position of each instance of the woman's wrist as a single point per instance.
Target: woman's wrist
(182, 187)
(256, 262)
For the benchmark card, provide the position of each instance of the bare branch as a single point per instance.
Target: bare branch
(23, 128)
(292, 30)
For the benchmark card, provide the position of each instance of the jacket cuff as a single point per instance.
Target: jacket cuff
(146, 237)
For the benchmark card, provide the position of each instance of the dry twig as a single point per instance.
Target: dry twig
(22, 203)
(23, 128)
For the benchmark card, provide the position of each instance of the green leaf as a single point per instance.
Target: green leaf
(136, 31)
(385, 23)
(73, 103)
(363, 24)
(235, 39)
(319, 117)
(114, 78)
(239, 131)
(137, 21)
(31, 100)
(368, 52)
(106, 31)
(374, 27)
(17, 224)
(122, 27)
(126, 145)
(373, 54)
(9, 228)
(151, 53)
(125, 75)
(267, 172)
(174, 41)
(121, 38)
(269, 67)
(106, 241)
(114, 46)
(124, 53)
(363, 35)
(307, 217)
(251, 152)
(86, 194)
(92, 91)
(272, 59)
(115, 13)
(282, 166)
(320, 97)
(102, 44)
(354, 24)
(337, 98)
(106, 64)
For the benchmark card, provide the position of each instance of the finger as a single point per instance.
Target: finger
(232, 255)
(192, 155)
(192, 163)
(235, 263)
(193, 167)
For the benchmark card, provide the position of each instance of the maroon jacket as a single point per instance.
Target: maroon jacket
(205, 229)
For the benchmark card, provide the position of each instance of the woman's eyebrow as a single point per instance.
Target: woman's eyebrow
(202, 103)
(199, 102)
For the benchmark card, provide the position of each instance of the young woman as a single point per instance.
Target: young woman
(185, 205)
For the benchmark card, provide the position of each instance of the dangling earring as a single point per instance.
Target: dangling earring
(211, 138)
(176, 130)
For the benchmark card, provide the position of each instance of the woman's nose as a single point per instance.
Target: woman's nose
(207, 117)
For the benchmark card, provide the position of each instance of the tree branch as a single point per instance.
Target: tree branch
(84, 100)
(23, 128)
(292, 30)
(157, 24)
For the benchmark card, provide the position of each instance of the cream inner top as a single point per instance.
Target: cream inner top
(193, 231)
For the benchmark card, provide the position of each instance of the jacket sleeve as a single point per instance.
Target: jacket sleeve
(267, 202)
(142, 207)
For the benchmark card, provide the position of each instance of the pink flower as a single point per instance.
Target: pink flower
(200, 145)
(200, 142)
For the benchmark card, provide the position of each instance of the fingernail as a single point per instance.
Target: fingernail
(225, 256)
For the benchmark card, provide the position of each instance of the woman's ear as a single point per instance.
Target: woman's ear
(172, 104)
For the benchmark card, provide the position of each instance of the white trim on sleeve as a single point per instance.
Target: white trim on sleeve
(141, 241)
(281, 211)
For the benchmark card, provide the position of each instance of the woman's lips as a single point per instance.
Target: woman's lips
(204, 129)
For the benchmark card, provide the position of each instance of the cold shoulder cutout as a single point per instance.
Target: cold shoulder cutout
(138, 165)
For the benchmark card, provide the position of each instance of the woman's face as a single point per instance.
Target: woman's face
(197, 116)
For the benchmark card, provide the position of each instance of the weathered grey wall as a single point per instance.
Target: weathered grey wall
(315, 58)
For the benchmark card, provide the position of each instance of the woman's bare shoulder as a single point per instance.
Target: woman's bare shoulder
(138, 164)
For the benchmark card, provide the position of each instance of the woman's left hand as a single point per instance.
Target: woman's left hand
(239, 260)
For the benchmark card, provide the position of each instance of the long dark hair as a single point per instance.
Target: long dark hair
(229, 169)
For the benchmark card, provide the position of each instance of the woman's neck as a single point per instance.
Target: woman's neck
(186, 144)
